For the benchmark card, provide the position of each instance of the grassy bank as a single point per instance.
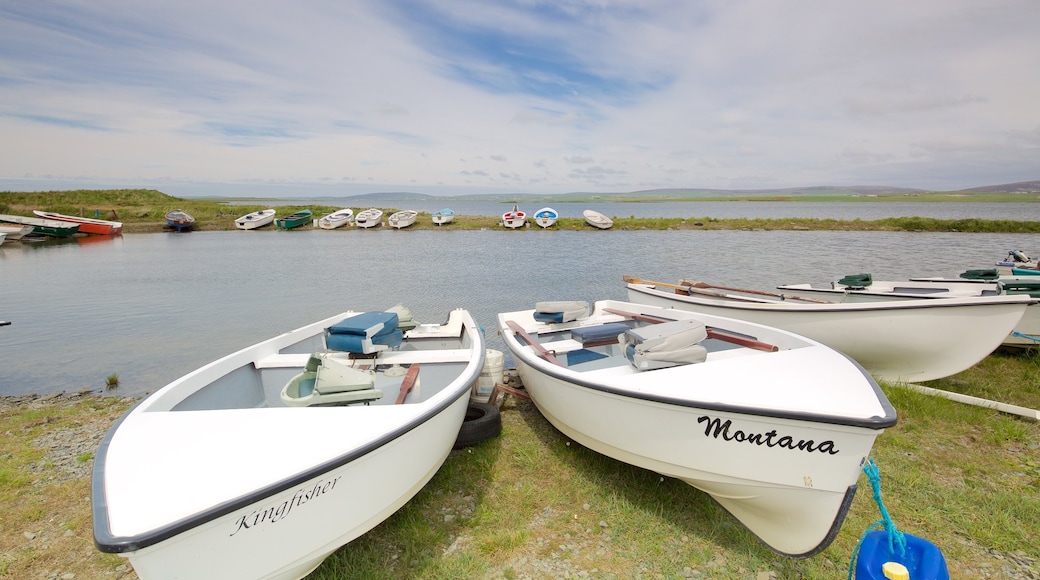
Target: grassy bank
(532, 504)
(145, 210)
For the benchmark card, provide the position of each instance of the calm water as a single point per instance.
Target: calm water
(724, 209)
(151, 307)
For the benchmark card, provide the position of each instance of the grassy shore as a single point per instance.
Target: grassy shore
(145, 210)
(533, 504)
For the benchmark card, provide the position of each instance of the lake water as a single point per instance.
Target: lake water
(152, 307)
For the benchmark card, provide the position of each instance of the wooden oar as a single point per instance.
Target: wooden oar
(408, 382)
(716, 333)
(695, 284)
(537, 346)
(695, 290)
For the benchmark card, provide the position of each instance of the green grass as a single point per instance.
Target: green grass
(965, 478)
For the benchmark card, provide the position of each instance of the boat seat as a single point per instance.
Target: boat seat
(987, 274)
(364, 333)
(560, 311)
(665, 345)
(600, 334)
(857, 280)
(327, 381)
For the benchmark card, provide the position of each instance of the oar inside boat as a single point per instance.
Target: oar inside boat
(695, 287)
(716, 333)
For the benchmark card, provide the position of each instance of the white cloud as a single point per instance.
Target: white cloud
(552, 97)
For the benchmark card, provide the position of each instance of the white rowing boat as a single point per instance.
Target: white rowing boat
(262, 463)
(907, 340)
(597, 220)
(772, 425)
(256, 219)
(336, 219)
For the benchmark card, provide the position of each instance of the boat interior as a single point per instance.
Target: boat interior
(365, 359)
(632, 341)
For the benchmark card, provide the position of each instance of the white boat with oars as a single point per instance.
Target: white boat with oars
(906, 340)
(402, 219)
(369, 218)
(863, 288)
(443, 216)
(514, 218)
(546, 217)
(262, 463)
(256, 219)
(772, 425)
(336, 219)
(597, 220)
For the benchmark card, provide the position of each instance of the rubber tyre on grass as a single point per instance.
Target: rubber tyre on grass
(483, 421)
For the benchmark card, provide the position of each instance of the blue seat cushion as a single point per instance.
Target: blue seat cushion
(356, 342)
(367, 324)
(600, 333)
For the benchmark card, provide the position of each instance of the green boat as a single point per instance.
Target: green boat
(295, 220)
(43, 227)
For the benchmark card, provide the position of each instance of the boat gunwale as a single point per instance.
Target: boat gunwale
(107, 542)
(724, 301)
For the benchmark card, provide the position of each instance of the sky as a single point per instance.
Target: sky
(518, 96)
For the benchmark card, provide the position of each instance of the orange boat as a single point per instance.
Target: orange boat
(86, 225)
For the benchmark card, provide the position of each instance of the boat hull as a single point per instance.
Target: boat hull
(743, 454)
(1025, 334)
(257, 219)
(402, 219)
(43, 227)
(444, 216)
(86, 225)
(597, 220)
(902, 341)
(370, 218)
(294, 221)
(546, 217)
(336, 219)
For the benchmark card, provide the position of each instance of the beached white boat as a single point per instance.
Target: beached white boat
(15, 231)
(597, 220)
(906, 340)
(443, 216)
(336, 219)
(514, 218)
(546, 217)
(863, 288)
(262, 463)
(256, 219)
(86, 225)
(774, 426)
(402, 219)
(369, 218)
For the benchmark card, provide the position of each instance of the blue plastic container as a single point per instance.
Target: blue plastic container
(922, 558)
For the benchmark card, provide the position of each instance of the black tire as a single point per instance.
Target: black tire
(483, 421)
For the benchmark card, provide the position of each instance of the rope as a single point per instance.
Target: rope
(1018, 334)
(896, 539)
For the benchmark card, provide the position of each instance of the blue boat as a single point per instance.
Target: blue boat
(180, 220)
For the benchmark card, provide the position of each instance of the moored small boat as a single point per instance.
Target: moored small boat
(514, 218)
(180, 220)
(41, 226)
(14, 231)
(86, 225)
(443, 216)
(897, 341)
(264, 462)
(546, 217)
(369, 218)
(336, 219)
(403, 218)
(295, 220)
(597, 220)
(256, 219)
(772, 425)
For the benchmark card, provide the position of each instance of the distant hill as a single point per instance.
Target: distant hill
(1020, 187)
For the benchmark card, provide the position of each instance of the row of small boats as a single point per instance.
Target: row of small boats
(547, 216)
(264, 462)
(369, 218)
(47, 224)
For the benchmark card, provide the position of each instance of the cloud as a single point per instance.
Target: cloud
(634, 94)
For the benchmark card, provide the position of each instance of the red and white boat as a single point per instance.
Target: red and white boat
(86, 225)
(515, 218)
